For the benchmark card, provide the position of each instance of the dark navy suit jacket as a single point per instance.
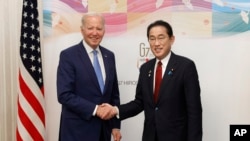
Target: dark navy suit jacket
(177, 116)
(78, 91)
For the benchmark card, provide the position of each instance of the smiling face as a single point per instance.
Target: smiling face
(93, 30)
(160, 42)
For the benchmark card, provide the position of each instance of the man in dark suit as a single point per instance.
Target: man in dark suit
(174, 113)
(78, 87)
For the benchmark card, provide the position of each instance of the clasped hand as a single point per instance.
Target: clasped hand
(106, 111)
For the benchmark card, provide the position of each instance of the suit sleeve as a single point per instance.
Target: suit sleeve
(115, 100)
(66, 89)
(193, 101)
(135, 106)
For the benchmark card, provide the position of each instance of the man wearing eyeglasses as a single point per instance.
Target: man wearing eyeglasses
(168, 92)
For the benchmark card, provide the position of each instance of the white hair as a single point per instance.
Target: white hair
(93, 14)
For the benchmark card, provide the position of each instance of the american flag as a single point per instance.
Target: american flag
(31, 104)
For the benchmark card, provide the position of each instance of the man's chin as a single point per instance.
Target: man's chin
(158, 55)
(94, 44)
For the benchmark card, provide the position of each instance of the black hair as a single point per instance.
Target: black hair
(161, 23)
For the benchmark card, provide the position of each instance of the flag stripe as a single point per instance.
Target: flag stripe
(29, 125)
(25, 106)
(18, 137)
(38, 92)
(22, 132)
(29, 96)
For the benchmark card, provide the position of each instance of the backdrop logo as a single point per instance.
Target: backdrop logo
(145, 54)
(127, 82)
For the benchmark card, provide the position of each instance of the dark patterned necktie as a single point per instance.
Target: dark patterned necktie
(158, 78)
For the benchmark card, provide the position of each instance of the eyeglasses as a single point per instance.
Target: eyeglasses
(160, 39)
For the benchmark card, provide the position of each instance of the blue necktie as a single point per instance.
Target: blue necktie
(98, 71)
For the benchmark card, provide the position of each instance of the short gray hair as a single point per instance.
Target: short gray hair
(93, 14)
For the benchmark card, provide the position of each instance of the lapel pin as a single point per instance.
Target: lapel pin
(171, 72)
(149, 73)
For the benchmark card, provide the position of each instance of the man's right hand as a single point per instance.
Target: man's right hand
(106, 111)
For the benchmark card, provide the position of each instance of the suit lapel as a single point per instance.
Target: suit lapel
(84, 57)
(150, 75)
(106, 66)
(170, 68)
(168, 74)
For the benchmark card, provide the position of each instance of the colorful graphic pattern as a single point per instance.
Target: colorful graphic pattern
(191, 18)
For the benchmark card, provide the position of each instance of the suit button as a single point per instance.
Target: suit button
(156, 108)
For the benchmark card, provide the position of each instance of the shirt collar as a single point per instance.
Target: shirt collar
(88, 48)
(165, 60)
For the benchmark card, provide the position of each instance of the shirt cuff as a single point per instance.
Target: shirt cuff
(94, 113)
(117, 111)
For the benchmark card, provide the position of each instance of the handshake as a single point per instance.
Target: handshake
(106, 111)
